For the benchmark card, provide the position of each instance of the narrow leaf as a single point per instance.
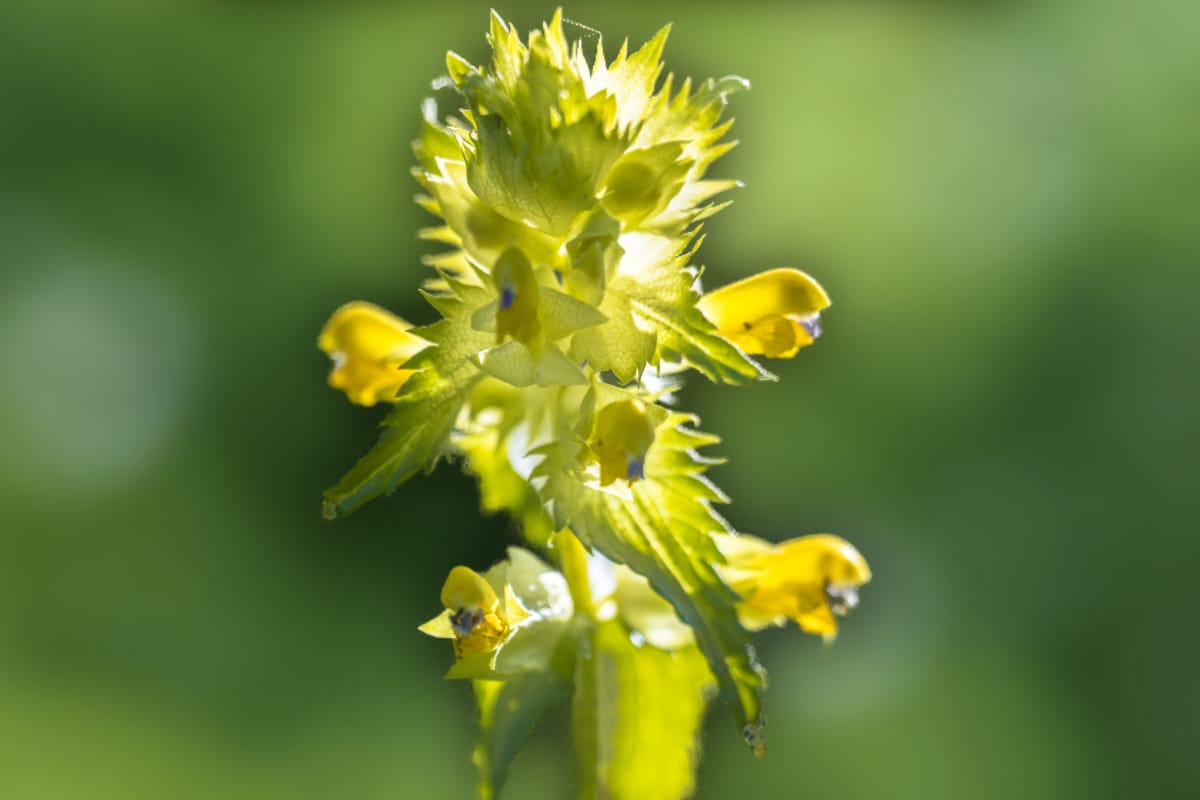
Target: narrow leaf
(417, 429)
(414, 435)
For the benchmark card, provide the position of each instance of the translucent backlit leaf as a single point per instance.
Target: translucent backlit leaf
(661, 528)
(635, 716)
(658, 286)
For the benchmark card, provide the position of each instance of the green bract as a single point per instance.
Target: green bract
(571, 193)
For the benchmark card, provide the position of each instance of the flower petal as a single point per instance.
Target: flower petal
(773, 313)
(466, 588)
(811, 580)
(439, 627)
(517, 313)
(621, 436)
(368, 345)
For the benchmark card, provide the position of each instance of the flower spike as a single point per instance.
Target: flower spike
(571, 194)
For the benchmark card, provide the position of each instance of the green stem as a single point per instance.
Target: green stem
(573, 559)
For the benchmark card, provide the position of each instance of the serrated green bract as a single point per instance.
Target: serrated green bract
(658, 288)
(541, 145)
(661, 527)
(619, 344)
(417, 430)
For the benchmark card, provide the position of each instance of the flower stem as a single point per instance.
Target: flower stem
(573, 558)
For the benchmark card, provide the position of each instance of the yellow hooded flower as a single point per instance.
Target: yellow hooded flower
(812, 580)
(368, 345)
(517, 314)
(621, 436)
(773, 313)
(474, 618)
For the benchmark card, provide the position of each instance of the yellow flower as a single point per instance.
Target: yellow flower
(812, 580)
(517, 314)
(773, 313)
(474, 618)
(368, 345)
(621, 436)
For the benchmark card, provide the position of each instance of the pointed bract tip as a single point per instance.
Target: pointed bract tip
(659, 40)
(752, 733)
(458, 67)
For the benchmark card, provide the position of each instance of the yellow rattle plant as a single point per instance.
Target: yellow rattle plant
(571, 193)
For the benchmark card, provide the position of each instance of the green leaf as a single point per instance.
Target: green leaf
(690, 206)
(515, 364)
(619, 344)
(630, 79)
(434, 143)
(416, 431)
(635, 717)
(472, 224)
(655, 285)
(693, 118)
(414, 436)
(668, 555)
(508, 710)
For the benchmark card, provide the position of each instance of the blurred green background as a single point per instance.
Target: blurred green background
(1000, 197)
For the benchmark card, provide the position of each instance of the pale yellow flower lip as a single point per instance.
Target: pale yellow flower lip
(368, 346)
(773, 313)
